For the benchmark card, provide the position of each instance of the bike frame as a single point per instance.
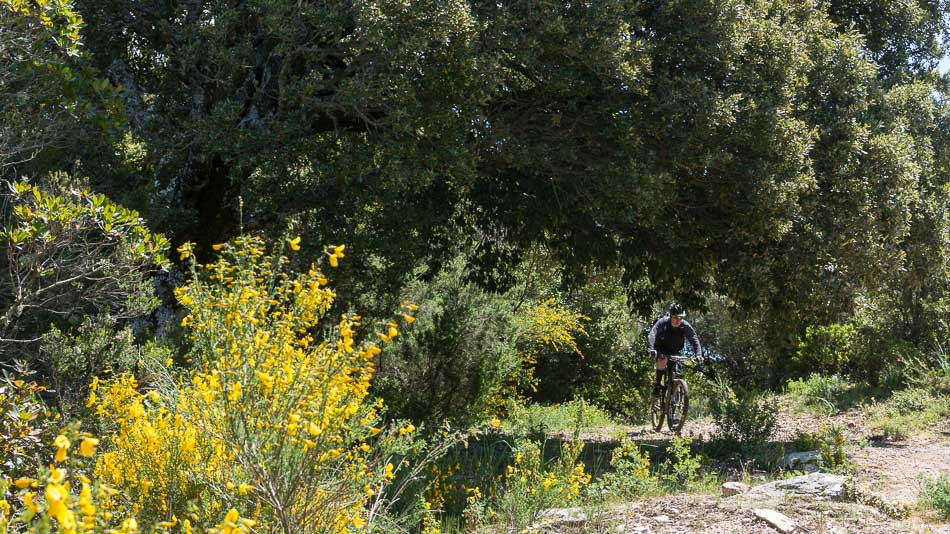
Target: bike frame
(674, 368)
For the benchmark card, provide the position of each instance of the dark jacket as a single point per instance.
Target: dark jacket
(668, 340)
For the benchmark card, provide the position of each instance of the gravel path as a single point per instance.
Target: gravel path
(889, 470)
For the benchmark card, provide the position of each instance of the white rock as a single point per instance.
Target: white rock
(817, 485)
(780, 521)
(662, 519)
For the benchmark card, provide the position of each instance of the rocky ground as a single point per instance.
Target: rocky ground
(885, 475)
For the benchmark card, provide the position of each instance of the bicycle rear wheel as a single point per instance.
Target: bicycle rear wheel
(678, 405)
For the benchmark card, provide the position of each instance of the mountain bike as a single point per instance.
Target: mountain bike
(673, 402)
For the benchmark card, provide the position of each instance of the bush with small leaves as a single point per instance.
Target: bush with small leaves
(744, 423)
(70, 253)
(937, 495)
(25, 427)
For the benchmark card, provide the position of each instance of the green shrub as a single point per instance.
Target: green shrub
(682, 470)
(615, 372)
(629, 476)
(70, 253)
(833, 457)
(909, 401)
(937, 495)
(456, 358)
(829, 441)
(26, 427)
(825, 349)
(806, 441)
(745, 423)
(907, 412)
(97, 349)
(827, 393)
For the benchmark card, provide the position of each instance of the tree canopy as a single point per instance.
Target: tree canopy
(782, 153)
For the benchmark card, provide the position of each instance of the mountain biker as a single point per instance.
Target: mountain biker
(667, 338)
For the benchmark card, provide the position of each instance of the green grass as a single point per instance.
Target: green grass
(907, 412)
(828, 394)
(576, 415)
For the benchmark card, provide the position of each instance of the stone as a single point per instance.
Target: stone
(816, 485)
(798, 460)
(733, 488)
(808, 468)
(779, 521)
(662, 519)
(564, 516)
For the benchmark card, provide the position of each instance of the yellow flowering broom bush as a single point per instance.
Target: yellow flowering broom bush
(544, 326)
(273, 420)
(61, 498)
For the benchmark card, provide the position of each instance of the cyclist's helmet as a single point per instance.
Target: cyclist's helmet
(677, 310)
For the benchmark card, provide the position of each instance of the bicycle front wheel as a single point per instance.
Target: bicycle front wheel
(678, 405)
(658, 412)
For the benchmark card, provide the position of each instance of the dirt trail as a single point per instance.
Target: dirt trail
(887, 470)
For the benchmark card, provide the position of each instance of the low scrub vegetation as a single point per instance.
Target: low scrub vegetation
(937, 495)
(567, 418)
(907, 412)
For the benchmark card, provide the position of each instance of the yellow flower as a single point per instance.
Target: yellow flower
(23, 483)
(495, 423)
(85, 501)
(28, 501)
(88, 446)
(62, 445)
(295, 243)
(184, 251)
(56, 475)
(336, 255)
(408, 318)
(218, 246)
(55, 495)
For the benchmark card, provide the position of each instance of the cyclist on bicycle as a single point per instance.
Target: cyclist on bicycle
(667, 338)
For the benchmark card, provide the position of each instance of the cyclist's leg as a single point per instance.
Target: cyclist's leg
(661, 366)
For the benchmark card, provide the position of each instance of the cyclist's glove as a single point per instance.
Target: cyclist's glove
(652, 353)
